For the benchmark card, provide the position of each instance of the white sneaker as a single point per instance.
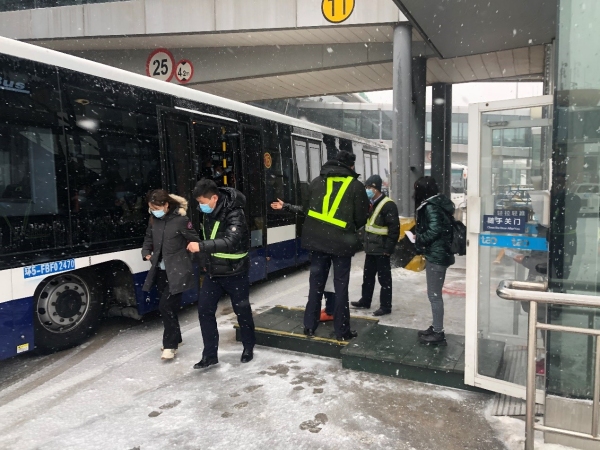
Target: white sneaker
(168, 353)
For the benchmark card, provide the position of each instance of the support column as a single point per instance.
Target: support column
(417, 124)
(402, 83)
(441, 136)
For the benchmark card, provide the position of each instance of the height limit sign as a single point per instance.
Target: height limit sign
(184, 71)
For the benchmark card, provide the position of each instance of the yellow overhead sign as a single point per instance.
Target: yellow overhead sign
(337, 11)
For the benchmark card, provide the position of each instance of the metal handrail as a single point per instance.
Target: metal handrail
(535, 293)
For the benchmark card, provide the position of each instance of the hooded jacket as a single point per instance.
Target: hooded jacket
(232, 236)
(434, 230)
(352, 211)
(167, 239)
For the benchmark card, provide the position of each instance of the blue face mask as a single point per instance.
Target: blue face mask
(205, 208)
(158, 214)
(370, 194)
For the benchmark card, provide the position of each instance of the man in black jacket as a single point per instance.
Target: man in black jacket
(381, 235)
(338, 207)
(226, 241)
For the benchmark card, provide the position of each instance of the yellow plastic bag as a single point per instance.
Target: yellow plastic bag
(417, 264)
(405, 254)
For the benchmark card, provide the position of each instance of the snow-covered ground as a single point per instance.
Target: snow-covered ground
(114, 392)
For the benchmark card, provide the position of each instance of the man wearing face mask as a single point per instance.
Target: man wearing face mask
(226, 240)
(381, 235)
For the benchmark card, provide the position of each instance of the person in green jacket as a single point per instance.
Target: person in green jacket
(434, 213)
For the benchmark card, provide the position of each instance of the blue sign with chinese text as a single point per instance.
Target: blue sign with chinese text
(48, 268)
(506, 221)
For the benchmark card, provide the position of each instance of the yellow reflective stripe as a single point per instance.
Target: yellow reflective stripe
(213, 234)
(230, 255)
(327, 215)
(378, 210)
(215, 229)
(376, 229)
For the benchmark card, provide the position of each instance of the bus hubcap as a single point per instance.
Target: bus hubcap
(63, 303)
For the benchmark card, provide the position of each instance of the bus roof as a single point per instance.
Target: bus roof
(53, 58)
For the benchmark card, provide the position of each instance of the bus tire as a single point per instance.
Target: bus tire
(68, 308)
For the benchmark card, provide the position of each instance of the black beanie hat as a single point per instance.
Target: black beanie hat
(374, 181)
(346, 158)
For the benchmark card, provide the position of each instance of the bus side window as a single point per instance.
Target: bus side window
(33, 196)
(302, 170)
(315, 159)
(112, 133)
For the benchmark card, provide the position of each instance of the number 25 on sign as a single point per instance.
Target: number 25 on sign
(337, 11)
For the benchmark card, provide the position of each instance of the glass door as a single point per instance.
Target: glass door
(507, 219)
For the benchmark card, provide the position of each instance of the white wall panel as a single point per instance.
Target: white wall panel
(179, 16)
(110, 19)
(15, 24)
(57, 22)
(369, 11)
(256, 14)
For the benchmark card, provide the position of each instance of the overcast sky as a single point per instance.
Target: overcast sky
(463, 94)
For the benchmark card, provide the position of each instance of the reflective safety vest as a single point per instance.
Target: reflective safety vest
(213, 234)
(327, 215)
(370, 227)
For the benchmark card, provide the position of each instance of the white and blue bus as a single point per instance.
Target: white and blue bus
(458, 184)
(81, 144)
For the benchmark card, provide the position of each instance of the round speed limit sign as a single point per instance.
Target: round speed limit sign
(184, 71)
(160, 65)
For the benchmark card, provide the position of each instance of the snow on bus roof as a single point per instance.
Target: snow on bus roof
(54, 58)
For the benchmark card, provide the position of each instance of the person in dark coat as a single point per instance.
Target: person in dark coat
(167, 237)
(338, 207)
(226, 240)
(381, 235)
(434, 213)
(329, 293)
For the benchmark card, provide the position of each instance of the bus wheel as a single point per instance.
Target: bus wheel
(68, 310)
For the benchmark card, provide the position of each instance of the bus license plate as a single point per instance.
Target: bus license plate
(48, 268)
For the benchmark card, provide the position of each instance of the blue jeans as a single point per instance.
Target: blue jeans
(436, 275)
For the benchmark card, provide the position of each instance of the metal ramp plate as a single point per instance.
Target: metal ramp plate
(385, 350)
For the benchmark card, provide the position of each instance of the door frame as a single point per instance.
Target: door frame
(472, 377)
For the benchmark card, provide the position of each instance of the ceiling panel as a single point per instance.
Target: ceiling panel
(462, 28)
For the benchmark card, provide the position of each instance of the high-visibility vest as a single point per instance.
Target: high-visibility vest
(213, 234)
(328, 215)
(370, 227)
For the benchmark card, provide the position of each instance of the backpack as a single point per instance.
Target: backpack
(459, 237)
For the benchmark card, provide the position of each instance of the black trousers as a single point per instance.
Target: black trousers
(377, 265)
(319, 269)
(168, 306)
(238, 288)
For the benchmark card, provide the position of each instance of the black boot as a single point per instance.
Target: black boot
(361, 304)
(309, 333)
(382, 312)
(206, 362)
(348, 335)
(247, 355)
(426, 332)
(434, 339)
